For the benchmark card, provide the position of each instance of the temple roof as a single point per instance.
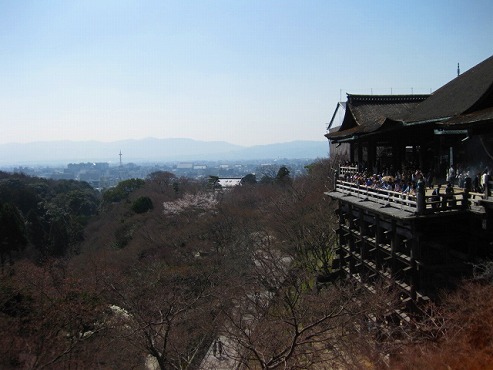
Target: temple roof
(368, 113)
(466, 101)
(371, 109)
(484, 116)
(462, 95)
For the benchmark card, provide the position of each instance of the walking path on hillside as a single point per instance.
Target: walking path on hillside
(221, 355)
(224, 353)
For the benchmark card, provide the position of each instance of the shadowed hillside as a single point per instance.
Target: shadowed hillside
(163, 267)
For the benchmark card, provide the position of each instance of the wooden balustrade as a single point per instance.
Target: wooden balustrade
(347, 170)
(406, 202)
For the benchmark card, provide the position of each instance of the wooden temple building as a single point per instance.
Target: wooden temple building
(419, 243)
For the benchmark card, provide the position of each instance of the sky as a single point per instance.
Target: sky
(249, 72)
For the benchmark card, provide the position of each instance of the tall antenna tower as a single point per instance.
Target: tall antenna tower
(458, 70)
(120, 168)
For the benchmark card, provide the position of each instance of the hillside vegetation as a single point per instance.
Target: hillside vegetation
(152, 271)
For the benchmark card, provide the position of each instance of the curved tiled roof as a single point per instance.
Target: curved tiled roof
(376, 109)
(466, 101)
(459, 96)
(368, 113)
(484, 115)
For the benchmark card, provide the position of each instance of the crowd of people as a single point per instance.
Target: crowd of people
(468, 179)
(407, 181)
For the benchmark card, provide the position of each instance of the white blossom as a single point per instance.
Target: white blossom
(199, 202)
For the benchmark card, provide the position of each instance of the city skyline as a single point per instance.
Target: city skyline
(246, 72)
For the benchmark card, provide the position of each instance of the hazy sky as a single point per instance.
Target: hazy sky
(243, 71)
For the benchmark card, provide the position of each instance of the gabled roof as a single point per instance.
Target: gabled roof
(341, 105)
(464, 94)
(370, 109)
(465, 102)
(368, 113)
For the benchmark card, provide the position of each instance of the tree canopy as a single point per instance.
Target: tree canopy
(153, 271)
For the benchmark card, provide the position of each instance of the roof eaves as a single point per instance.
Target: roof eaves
(434, 120)
(347, 139)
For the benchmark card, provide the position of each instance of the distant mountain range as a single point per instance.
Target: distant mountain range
(154, 150)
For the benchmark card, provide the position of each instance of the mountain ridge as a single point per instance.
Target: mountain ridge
(154, 150)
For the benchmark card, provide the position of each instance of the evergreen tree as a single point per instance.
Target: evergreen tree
(12, 231)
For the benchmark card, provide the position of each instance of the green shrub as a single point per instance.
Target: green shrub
(122, 190)
(142, 205)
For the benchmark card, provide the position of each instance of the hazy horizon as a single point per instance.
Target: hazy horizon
(152, 150)
(244, 72)
(108, 141)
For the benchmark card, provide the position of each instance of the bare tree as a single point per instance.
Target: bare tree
(304, 220)
(47, 318)
(456, 333)
(167, 312)
(293, 328)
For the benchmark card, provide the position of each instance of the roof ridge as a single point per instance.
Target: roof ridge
(387, 98)
(460, 95)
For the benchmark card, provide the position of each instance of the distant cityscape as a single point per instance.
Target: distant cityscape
(102, 175)
(152, 150)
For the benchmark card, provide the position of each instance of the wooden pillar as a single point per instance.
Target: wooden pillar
(394, 244)
(415, 156)
(415, 249)
(378, 241)
(420, 197)
(396, 156)
(335, 178)
(372, 157)
(360, 154)
(420, 156)
(351, 241)
(436, 159)
(342, 240)
(362, 243)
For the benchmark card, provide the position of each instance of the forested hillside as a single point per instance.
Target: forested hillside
(151, 272)
(42, 218)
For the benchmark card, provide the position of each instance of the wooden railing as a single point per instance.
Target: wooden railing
(384, 197)
(347, 170)
(406, 202)
(476, 198)
(488, 187)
